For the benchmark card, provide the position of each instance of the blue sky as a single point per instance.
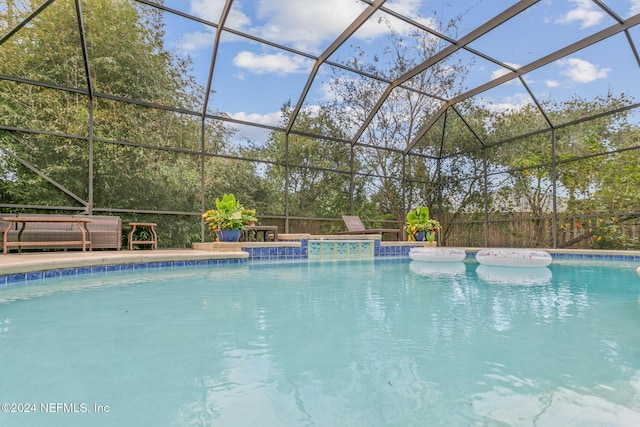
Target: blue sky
(252, 80)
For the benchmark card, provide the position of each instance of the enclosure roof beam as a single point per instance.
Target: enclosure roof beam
(25, 21)
(41, 174)
(444, 53)
(287, 48)
(85, 52)
(348, 32)
(216, 44)
(554, 56)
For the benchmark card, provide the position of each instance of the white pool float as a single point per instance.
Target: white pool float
(514, 276)
(433, 269)
(638, 271)
(437, 254)
(514, 257)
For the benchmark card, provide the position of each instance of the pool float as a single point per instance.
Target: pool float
(638, 271)
(514, 276)
(432, 269)
(437, 254)
(514, 257)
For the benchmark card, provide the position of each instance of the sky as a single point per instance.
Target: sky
(252, 80)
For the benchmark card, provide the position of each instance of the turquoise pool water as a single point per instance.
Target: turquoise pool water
(360, 343)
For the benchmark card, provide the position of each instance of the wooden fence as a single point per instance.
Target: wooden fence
(524, 230)
(517, 230)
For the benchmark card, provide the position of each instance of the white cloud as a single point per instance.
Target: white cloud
(635, 7)
(586, 12)
(278, 63)
(269, 119)
(307, 26)
(304, 25)
(212, 9)
(581, 71)
(508, 103)
(253, 133)
(192, 42)
(410, 9)
(552, 83)
(502, 71)
(328, 91)
(375, 27)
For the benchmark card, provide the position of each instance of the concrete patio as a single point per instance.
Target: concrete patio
(36, 261)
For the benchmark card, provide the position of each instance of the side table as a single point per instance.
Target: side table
(251, 232)
(152, 230)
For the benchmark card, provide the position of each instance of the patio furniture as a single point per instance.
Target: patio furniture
(251, 232)
(61, 231)
(153, 237)
(355, 226)
(48, 237)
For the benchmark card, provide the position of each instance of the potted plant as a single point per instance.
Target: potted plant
(420, 227)
(431, 236)
(229, 218)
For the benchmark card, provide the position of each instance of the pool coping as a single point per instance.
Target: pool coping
(30, 262)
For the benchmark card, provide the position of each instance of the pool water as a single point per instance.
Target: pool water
(360, 343)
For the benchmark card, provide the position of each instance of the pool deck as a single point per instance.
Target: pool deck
(38, 261)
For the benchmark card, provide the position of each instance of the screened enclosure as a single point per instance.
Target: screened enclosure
(516, 123)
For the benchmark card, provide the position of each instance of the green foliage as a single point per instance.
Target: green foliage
(418, 216)
(379, 160)
(615, 183)
(418, 220)
(229, 214)
(127, 59)
(313, 189)
(608, 234)
(227, 204)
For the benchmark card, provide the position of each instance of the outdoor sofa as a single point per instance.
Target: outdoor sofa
(105, 230)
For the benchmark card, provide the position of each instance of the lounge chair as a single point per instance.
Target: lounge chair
(355, 226)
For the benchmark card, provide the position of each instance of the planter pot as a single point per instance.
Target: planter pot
(228, 235)
(420, 236)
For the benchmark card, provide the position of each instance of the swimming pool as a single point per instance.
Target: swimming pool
(359, 343)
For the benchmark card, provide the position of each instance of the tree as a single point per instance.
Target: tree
(126, 59)
(379, 149)
(590, 178)
(318, 169)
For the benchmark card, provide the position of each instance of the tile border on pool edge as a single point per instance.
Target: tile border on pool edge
(599, 257)
(579, 255)
(268, 254)
(17, 279)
